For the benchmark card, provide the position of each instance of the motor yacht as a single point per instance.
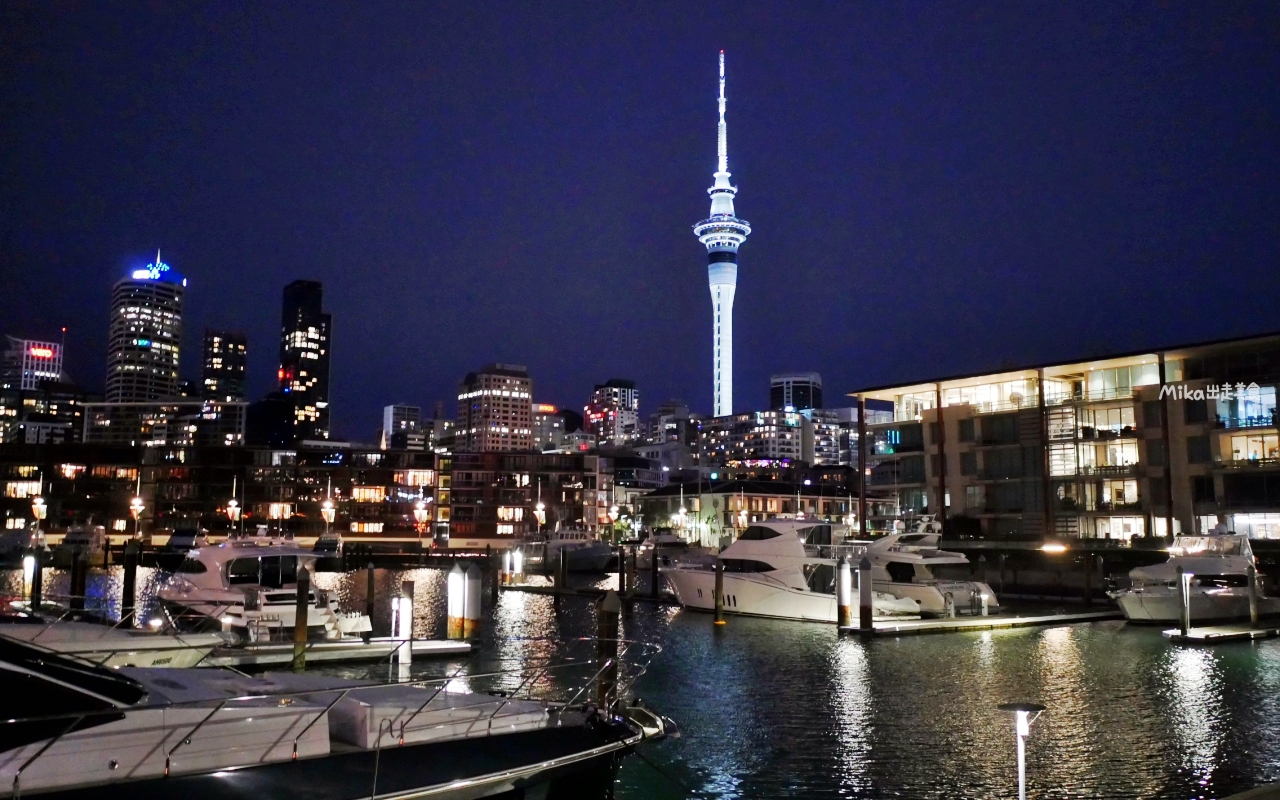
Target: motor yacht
(902, 565)
(1219, 592)
(112, 645)
(584, 550)
(669, 547)
(779, 568)
(74, 731)
(248, 585)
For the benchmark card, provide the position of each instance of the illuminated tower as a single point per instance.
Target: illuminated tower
(146, 329)
(723, 233)
(304, 359)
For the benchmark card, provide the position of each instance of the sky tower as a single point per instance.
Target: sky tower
(722, 233)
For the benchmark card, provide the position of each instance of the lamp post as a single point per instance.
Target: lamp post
(135, 510)
(38, 510)
(1023, 715)
(328, 513)
(421, 514)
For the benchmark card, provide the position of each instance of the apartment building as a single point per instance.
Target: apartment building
(1138, 444)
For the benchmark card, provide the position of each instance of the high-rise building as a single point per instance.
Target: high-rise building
(495, 410)
(613, 415)
(304, 359)
(548, 427)
(145, 335)
(222, 374)
(26, 362)
(795, 391)
(402, 428)
(722, 233)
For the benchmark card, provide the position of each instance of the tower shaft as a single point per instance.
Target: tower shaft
(722, 233)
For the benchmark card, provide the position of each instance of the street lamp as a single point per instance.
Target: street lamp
(38, 510)
(1024, 715)
(613, 513)
(328, 513)
(421, 515)
(233, 511)
(135, 511)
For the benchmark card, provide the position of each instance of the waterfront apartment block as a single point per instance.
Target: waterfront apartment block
(169, 423)
(1181, 439)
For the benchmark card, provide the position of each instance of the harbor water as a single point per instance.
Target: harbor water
(772, 709)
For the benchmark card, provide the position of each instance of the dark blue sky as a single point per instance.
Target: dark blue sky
(934, 188)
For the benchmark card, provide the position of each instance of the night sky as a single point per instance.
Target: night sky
(934, 188)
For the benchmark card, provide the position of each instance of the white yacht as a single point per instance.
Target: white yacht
(248, 585)
(1219, 567)
(779, 568)
(114, 646)
(902, 565)
(585, 551)
(668, 548)
(77, 731)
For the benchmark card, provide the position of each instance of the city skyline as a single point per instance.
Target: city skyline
(1058, 188)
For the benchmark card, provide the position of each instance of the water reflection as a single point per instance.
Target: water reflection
(1195, 709)
(851, 705)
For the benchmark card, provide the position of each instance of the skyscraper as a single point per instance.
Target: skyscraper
(613, 415)
(145, 334)
(495, 410)
(795, 391)
(222, 372)
(304, 359)
(722, 233)
(26, 363)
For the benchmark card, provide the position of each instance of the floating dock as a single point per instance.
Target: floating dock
(994, 622)
(1221, 634)
(272, 653)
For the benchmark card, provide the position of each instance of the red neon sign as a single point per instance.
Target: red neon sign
(41, 352)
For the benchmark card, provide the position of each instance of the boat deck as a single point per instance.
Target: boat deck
(993, 622)
(269, 653)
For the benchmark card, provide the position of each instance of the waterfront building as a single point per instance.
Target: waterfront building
(712, 512)
(671, 457)
(795, 391)
(27, 362)
(493, 497)
(222, 366)
(673, 422)
(176, 423)
(722, 233)
(402, 428)
(495, 410)
(1145, 443)
(305, 340)
(548, 427)
(145, 335)
(613, 414)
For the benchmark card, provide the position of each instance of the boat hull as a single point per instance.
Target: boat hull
(1164, 606)
(552, 763)
(751, 596)
(932, 596)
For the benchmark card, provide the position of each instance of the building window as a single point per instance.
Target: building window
(1198, 449)
(966, 430)
(1195, 411)
(366, 527)
(1202, 489)
(1151, 411)
(1155, 452)
(969, 462)
(22, 489)
(368, 494)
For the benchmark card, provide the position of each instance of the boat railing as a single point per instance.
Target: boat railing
(504, 686)
(835, 552)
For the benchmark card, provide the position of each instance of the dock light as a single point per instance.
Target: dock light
(540, 511)
(155, 623)
(328, 513)
(233, 510)
(1053, 548)
(613, 513)
(226, 622)
(517, 562)
(38, 508)
(1023, 715)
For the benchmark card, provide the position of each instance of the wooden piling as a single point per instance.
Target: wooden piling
(719, 592)
(865, 605)
(1252, 571)
(622, 570)
(493, 562)
(1184, 601)
(653, 574)
(369, 592)
(37, 579)
(129, 593)
(79, 579)
(301, 607)
(608, 610)
(844, 595)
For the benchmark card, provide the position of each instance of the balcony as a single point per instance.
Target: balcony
(1247, 463)
(1271, 420)
(1110, 470)
(1096, 396)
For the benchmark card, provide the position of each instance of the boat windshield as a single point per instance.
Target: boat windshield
(758, 533)
(1210, 545)
(272, 572)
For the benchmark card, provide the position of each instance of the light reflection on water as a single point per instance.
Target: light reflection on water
(778, 709)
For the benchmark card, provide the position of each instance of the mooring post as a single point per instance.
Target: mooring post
(37, 579)
(562, 582)
(455, 602)
(369, 592)
(1252, 572)
(719, 592)
(129, 592)
(865, 605)
(608, 610)
(404, 620)
(301, 607)
(471, 602)
(622, 569)
(79, 566)
(1088, 580)
(495, 570)
(1184, 600)
(653, 573)
(844, 595)
(1002, 558)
